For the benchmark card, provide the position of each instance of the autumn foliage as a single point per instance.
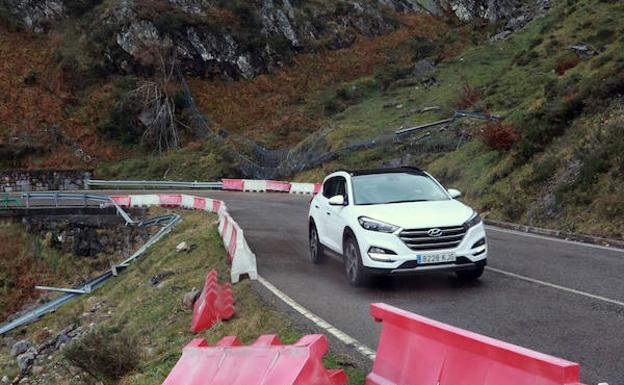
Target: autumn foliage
(565, 64)
(34, 99)
(499, 136)
(469, 96)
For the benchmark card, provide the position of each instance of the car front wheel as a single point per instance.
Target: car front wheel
(354, 269)
(317, 254)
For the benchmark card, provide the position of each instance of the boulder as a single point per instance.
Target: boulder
(20, 347)
(25, 360)
(188, 300)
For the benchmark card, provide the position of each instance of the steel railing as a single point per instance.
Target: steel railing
(154, 184)
(85, 199)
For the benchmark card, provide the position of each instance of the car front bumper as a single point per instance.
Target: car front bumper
(406, 260)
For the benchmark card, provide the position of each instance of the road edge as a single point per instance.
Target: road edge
(576, 237)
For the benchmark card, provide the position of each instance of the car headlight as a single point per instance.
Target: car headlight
(374, 225)
(474, 220)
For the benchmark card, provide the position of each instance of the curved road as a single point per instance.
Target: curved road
(558, 297)
(555, 313)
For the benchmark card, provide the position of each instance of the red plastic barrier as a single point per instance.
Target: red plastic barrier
(415, 350)
(232, 245)
(233, 184)
(265, 362)
(276, 186)
(199, 203)
(317, 188)
(214, 304)
(170, 200)
(122, 200)
(216, 205)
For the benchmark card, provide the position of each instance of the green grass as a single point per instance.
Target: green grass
(155, 316)
(201, 164)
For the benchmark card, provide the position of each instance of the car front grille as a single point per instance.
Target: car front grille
(420, 239)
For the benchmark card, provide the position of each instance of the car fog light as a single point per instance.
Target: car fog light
(478, 243)
(380, 254)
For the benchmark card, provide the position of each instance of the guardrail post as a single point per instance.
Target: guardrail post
(56, 199)
(27, 200)
(86, 180)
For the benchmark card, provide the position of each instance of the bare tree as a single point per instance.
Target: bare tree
(158, 113)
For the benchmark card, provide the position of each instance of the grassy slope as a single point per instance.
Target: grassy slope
(155, 315)
(495, 181)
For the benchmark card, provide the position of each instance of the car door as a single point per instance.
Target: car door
(335, 219)
(321, 208)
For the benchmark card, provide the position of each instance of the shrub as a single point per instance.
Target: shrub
(565, 63)
(122, 124)
(105, 354)
(499, 136)
(469, 96)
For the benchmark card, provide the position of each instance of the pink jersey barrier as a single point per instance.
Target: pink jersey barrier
(215, 303)
(265, 362)
(415, 350)
(233, 184)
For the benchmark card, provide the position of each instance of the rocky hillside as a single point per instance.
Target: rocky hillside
(198, 89)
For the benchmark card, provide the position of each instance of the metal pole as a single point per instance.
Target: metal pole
(63, 290)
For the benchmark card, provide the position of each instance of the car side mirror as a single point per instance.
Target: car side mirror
(337, 200)
(454, 193)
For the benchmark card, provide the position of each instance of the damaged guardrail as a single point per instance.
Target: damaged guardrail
(170, 221)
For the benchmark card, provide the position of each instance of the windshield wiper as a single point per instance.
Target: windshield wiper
(409, 201)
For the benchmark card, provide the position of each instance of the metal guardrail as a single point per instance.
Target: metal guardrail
(58, 197)
(170, 221)
(152, 184)
(456, 115)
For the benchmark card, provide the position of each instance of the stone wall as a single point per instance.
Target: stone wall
(43, 180)
(88, 235)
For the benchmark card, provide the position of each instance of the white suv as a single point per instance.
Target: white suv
(395, 221)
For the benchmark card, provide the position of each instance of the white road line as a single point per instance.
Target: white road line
(342, 336)
(547, 238)
(554, 286)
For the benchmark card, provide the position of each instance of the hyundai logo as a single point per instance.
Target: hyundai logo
(434, 232)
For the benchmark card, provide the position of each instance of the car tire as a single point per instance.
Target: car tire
(317, 253)
(470, 275)
(354, 268)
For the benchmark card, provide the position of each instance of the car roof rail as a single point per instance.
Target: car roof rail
(390, 170)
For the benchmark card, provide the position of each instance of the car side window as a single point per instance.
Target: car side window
(329, 188)
(341, 187)
(335, 186)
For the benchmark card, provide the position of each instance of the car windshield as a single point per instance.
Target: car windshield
(395, 188)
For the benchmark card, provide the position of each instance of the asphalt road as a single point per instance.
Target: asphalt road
(555, 314)
(557, 297)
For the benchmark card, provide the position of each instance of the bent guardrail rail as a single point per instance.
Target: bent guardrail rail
(170, 221)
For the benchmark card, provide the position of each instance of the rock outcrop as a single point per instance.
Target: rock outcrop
(35, 15)
(236, 39)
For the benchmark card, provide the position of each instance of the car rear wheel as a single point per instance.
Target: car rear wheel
(354, 269)
(470, 275)
(317, 254)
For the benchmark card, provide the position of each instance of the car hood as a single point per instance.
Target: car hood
(415, 215)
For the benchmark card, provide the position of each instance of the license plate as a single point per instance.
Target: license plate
(436, 258)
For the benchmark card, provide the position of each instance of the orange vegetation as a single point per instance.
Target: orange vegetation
(33, 98)
(19, 272)
(272, 102)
